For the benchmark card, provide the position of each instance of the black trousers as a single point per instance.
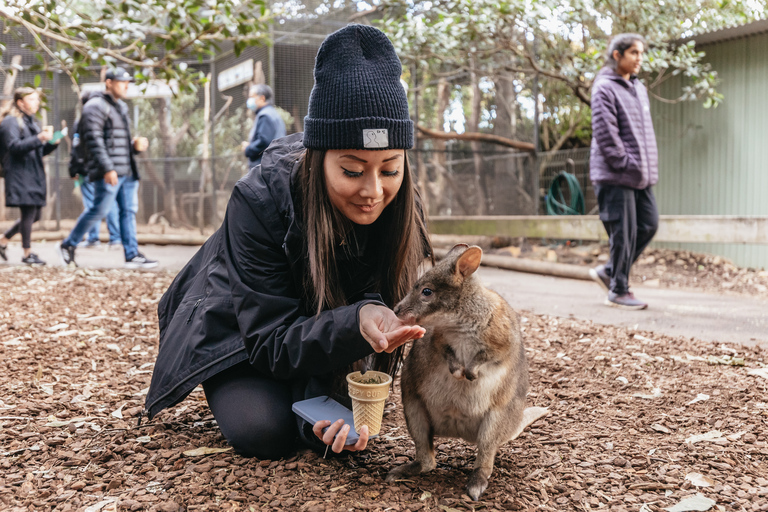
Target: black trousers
(253, 412)
(29, 215)
(631, 218)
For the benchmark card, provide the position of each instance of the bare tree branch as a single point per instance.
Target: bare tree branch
(477, 137)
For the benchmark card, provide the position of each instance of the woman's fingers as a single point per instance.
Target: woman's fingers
(318, 427)
(403, 335)
(341, 439)
(362, 442)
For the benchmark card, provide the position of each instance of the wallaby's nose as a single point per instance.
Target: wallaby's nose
(463, 373)
(397, 310)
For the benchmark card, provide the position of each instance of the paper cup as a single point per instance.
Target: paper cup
(368, 392)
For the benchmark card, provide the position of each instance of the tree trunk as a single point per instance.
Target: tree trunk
(206, 154)
(10, 80)
(437, 185)
(163, 108)
(483, 201)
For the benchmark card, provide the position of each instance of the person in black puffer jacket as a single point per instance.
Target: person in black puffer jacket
(23, 148)
(112, 169)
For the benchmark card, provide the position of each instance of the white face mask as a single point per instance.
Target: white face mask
(251, 104)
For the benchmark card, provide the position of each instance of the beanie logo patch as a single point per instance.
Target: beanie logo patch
(376, 138)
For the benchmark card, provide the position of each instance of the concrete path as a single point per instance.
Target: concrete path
(721, 318)
(704, 316)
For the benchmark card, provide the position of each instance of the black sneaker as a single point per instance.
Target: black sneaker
(66, 254)
(32, 259)
(626, 301)
(3, 248)
(140, 261)
(599, 276)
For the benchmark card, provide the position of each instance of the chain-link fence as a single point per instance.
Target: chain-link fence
(195, 154)
(508, 182)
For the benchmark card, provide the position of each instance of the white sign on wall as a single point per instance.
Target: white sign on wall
(236, 75)
(153, 89)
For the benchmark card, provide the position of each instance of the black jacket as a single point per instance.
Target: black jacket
(107, 133)
(23, 161)
(241, 296)
(267, 127)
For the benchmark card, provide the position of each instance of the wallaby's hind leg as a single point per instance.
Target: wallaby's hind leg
(422, 434)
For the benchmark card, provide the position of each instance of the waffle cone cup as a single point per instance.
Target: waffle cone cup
(368, 392)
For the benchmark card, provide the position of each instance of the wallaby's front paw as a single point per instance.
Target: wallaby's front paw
(410, 469)
(476, 485)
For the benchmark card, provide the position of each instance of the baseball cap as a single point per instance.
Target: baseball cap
(119, 75)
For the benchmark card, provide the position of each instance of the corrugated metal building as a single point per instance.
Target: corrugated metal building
(715, 161)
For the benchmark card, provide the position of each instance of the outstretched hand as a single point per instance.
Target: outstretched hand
(384, 330)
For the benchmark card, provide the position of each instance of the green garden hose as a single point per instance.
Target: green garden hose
(556, 200)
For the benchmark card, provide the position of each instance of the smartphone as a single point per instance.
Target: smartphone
(325, 408)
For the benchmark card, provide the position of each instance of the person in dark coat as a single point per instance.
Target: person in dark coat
(295, 289)
(24, 145)
(111, 167)
(623, 166)
(267, 126)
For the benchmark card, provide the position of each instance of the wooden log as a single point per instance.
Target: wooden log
(725, 229)
(530, 266)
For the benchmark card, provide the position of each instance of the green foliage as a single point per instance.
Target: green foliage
(150, 36)
(442, 38)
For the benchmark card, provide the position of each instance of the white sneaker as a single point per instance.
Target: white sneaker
(140, 261)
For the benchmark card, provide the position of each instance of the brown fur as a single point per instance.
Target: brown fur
(468, 376)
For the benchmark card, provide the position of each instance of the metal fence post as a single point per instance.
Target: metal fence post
(214, 92)
(536, 128)
(57, 122)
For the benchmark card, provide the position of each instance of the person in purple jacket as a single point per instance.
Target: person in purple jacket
(623, 166)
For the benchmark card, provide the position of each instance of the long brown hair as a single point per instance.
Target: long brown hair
(402, 244)
(18, 94)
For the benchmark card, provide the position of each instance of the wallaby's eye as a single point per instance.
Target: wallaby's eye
(426, 292)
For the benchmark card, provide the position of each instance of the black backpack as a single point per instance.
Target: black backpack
(79, 152)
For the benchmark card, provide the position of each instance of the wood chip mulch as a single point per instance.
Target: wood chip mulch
(638, 421)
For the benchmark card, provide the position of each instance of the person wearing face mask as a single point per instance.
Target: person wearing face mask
(267, 126)
(22, 146)
(623, 166)
(318, 243)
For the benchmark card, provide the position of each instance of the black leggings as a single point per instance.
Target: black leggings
(253, 412)
(29, 215)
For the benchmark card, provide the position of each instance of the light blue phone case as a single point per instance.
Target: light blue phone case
(324, 408)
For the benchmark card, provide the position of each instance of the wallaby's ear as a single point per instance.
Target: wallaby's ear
(469, 261)
(457, 249)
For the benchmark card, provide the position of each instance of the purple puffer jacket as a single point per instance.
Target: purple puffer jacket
(623, 141)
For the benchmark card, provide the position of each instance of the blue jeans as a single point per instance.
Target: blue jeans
(126, 195)
(113, 218)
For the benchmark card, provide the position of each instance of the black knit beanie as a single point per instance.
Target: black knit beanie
(358, 101)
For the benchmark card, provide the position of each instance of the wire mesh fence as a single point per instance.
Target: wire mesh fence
(458, 181)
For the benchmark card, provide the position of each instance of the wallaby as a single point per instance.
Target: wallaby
(468, 376)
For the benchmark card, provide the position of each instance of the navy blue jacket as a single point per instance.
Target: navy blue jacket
(23, 161)
(267, 127)
(241, 297)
